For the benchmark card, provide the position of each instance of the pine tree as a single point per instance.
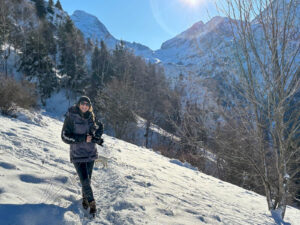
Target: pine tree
(40, 8)
(121, 61)
(37, 65)
(89, 45)
(47, 31)
(50, 7)
(58, 5)
(6, 30)
(69, 26)
(96, 70)
(72, 61)
(101, 65)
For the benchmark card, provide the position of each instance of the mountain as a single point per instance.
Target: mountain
(39, 184)
(93, 29)
(188, 52)
(203, 51)
(198, 51)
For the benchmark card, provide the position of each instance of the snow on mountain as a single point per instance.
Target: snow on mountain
(38, 184)
(201, 51)
(193, 52)
(92, 28)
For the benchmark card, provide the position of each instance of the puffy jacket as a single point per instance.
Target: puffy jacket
(74, 132)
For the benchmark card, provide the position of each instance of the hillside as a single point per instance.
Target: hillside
(38, 184)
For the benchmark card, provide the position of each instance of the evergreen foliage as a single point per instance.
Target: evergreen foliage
(6, 28)
(40, 8)
(127, 85)
(72, 63)
(121, 61)
(50, 7)
(101, 67)
(58, 5)
(37, 65)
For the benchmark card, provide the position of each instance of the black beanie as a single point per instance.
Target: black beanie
(84, 99)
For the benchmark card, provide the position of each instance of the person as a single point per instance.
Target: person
(81, 131)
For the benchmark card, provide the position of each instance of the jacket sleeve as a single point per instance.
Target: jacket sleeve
(67, 133)
(99, 131)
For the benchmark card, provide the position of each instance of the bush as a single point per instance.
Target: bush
(16, 93)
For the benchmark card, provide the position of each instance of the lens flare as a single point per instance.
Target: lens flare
(191, 2)
(184, 12)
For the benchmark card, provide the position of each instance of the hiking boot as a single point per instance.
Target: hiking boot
(85, 203)
(93, 207)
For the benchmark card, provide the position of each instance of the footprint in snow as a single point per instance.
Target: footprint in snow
(129, 177)
(166, 212)
(24, 128)
(201, 218)
(62, 179)
(143, 184)
(123, 205)
(217, 218)
(191, 212)
(11, 134)
(7, 166)
(5, 147)
(17, 143)
(31, 179)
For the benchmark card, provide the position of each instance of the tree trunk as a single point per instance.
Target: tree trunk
(147, 133)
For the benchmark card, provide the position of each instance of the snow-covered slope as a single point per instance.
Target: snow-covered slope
(38, 184)
(202, 51)
(92, 28)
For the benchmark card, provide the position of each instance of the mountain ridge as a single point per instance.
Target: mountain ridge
(94, 29)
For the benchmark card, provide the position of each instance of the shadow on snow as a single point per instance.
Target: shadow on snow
(33, 214)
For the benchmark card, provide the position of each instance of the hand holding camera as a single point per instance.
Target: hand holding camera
(96, 133)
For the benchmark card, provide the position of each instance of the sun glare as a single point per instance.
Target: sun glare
(191, 2)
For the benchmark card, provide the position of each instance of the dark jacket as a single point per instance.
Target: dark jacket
(75, 130)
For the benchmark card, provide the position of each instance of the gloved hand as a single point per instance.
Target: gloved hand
(98, 141)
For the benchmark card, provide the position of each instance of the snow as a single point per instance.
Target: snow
(58, 104)
(12, 60)
(93, 29)
(205, 50)
(142, 123)
(38, 184)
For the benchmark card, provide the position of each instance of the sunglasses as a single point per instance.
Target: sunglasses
(85, 103)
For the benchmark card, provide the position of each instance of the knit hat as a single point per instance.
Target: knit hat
(84, 99)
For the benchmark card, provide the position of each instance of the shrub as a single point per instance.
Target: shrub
(16, 93)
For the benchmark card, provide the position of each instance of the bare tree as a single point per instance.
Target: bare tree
(114, 102)
(266, 39)
(191, 114)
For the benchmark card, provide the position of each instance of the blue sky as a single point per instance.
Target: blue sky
(149, 22)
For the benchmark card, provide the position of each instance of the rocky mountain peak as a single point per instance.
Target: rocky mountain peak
(91, 27)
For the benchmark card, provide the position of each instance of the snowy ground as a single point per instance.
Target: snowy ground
(38, 184)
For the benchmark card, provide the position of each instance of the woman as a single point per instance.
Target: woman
(79, 131)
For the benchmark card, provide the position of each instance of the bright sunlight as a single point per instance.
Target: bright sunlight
(192, 2)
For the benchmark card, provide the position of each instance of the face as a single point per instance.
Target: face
(84, 106)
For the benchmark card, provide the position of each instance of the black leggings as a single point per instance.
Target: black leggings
(84, 171)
